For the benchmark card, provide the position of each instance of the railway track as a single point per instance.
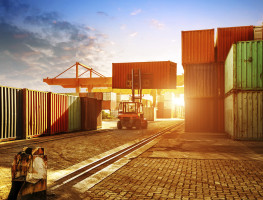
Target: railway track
(90, 169)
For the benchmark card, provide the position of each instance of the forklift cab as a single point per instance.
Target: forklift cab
(130, 108)
(130, 115)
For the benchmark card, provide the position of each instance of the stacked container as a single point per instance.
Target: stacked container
(203, 64)
(109, 101)
(244, 91)
(202, 88)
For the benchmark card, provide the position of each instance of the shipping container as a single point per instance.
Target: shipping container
(220, 79)
(10, 113)
(244, 66)
(89, 113)
(109, 96)
(244, 115)
(203, 80)
(258, 32)
(35, 113)
(74, 113)
(96, 95)
(109, 105)
(227, 36)
(58, 113)
(154, 75)
(149, 113)
(198, 47)
(99, 113)
(204, 114)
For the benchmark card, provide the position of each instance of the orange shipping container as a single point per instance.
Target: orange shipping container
(227, 36)
(35, 113)
(155, 75)
(58, 113)
(198, 46)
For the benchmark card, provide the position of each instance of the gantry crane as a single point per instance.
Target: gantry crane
(89, 83)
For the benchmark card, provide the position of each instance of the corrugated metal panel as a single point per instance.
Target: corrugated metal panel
(200, 80)
(35, 113)
(74, 113)
(58, 116)
(88, 113)
(220, 79)
(244, 115)
(198, 46)
(204, 114)
(258, 33)
(155, 75)
(10, 113)
(99, 113)
(227, 36)
(244, 66)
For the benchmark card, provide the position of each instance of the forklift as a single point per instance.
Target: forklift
(130, 114)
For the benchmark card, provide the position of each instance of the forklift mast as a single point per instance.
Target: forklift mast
(136, 85)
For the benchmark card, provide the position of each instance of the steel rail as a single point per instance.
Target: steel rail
(92, 168)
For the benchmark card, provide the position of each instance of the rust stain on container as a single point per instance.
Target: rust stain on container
(198, 46)
(204, 80)
(155, 75)
(227, 36)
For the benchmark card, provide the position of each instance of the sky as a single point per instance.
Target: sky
(42, 38)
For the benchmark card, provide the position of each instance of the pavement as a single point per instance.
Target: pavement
(179, 165)
(188, 165)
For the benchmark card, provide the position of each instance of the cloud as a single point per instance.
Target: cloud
(136, 12)
(134, 34)
(102, 13)
(42, 45)
(155, 23)
(123, 27)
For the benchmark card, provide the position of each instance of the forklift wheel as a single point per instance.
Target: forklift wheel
(119, 126)
(145, 125)
(138, 125)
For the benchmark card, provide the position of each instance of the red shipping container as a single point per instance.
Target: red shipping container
(198, 46)
(227, 36)
(155, 75)
(58, 113)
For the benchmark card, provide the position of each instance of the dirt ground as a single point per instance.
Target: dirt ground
(66, 152)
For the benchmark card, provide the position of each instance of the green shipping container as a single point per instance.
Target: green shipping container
(74, 113)
(243, 66)
(244, 115)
